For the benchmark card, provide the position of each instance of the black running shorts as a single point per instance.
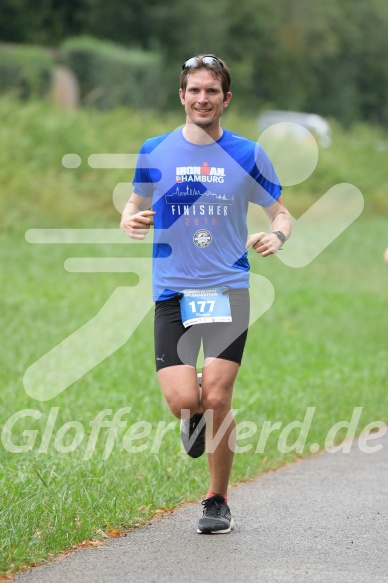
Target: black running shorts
(175, 344)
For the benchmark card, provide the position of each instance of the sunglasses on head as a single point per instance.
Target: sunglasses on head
(205, 59)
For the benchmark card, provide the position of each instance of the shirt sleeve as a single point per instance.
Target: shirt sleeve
(142, 181)
(265, 186)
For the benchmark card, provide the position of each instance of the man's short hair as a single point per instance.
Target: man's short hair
(210, 62)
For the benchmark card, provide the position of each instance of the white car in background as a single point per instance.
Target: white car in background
(314, 123)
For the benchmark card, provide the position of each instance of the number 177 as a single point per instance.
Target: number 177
(202, 305)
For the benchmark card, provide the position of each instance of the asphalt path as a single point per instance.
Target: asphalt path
(323, 519)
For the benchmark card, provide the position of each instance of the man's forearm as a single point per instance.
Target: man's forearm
(281, 222)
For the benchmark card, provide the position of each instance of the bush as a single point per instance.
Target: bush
(112, 76)
(25, 70)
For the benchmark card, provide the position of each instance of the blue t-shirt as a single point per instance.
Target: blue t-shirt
(200, 194)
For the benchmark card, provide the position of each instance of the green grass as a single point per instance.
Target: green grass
(322, 344)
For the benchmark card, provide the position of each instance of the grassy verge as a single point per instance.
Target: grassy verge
(322, 345)
(37, 191)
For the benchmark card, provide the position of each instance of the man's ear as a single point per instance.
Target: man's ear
(182, 96)
(227, 98)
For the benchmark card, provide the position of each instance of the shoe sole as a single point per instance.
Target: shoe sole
(196, 456)
(225, 531)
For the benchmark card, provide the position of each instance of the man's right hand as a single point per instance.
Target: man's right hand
(137, 225)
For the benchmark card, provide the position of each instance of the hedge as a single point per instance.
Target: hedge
(25, 70)
(112, 76)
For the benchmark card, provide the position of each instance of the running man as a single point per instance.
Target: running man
(193, 185)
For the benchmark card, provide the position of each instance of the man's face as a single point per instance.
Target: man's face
(203, 99)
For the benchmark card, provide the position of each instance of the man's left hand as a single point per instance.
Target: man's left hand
(264, 243)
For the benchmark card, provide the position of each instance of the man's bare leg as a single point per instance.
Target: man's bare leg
(218, 378)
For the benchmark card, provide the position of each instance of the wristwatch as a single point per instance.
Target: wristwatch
(280, 236)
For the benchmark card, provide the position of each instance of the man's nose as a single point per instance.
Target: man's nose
(202, 97)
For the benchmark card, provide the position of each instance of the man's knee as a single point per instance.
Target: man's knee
(217, 400)
(184, 407)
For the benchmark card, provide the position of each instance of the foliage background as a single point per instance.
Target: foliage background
(328, 57)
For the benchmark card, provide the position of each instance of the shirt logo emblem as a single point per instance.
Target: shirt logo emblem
(202, 238)
(204, 173)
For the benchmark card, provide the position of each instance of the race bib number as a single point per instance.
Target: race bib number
(200, 306)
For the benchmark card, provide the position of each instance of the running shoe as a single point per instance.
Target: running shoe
(216, 517)
(193, 435)
(193, 431)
